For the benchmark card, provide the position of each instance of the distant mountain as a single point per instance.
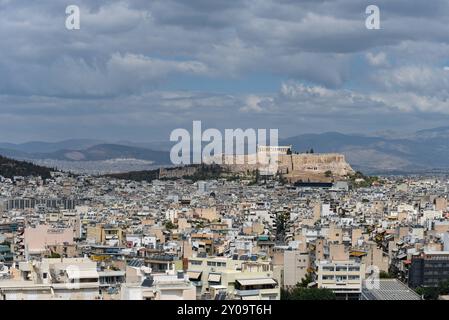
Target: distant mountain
(435, 133)
(154, 145)
(10, 168)
(423, 151)
(111, 151)
(385, 152)
(98, 152)
(15, 154)
(45, 147)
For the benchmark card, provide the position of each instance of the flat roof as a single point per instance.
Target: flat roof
(253, 282)
(110, 273)
(389, 289)
(436, 252)
(81, 274)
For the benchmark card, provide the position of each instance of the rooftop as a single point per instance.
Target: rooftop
(389, 289)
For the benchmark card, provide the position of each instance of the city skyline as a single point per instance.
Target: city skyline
(230, 158)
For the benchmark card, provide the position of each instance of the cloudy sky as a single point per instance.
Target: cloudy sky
(137, 69)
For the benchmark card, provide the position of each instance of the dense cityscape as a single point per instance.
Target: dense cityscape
(234, 236)
(218, 158)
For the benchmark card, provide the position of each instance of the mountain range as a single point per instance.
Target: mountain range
(386, 152)
(421, 151)
(83, 151)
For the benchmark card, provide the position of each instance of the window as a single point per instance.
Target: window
(353, 268)
(195, 262)
(341, 278)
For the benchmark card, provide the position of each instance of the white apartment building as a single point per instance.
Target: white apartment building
(233, 277)
(52, 279)
(142, 284)
(344, 278)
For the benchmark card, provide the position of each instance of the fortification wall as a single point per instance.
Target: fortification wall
(315, 163)
(294, 163)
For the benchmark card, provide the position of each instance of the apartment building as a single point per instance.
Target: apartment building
(296, 267)
(143, 284)
(220, 274)
(52, 279)
(344, 278)
(429, 269)
(37, 240)
(105, 233)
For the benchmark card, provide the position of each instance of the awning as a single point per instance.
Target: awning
(148, 294)
(255, 282)
(214, 277)
(194, 275)
(402, 256)
(250, 298)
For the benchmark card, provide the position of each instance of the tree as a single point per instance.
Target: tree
(311, 150)
(432, 293)
(282, 220)
(54, 255)
(200, 224)
(305, 281)
(443, 288)
(429, 293)
(328, 173)
(282, 179)
(299, 293)
(170, 225)
(384, 275)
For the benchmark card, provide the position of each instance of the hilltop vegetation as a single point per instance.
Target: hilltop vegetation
(201, 172)
(10, 168)
(146, 175)
(359, 180)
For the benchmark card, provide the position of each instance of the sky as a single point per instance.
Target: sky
(137, 69)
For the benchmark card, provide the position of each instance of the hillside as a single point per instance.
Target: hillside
(146, 175)
(191, 172)
(92, 153)
(10, 168)
(48, 147)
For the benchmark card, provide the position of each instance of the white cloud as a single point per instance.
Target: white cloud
(377, 60)
(421, 79)
(252, 104)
